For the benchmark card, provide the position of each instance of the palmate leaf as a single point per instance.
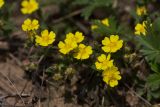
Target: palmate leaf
(151, 55)
(153, 81)
(155, 67)
(153, 94)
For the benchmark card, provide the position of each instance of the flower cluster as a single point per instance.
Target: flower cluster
(29, 6)
(110, 73)
(73, 42)
(46, 38)
(103, 21)
(1, 3)
(141, 11)
(140, 28)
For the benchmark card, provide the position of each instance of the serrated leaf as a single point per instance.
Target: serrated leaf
(153, 81)
(155, 94)
(155, 67)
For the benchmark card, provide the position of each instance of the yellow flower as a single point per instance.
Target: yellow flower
(29, 6)
(104, 62)
(140, 28)
(29, 25)
(141, 11)
(1, 3)
(77, 37)
(94, 27)
(83, 52)
(105, 21)
(111, 76)
(67, 46)
(112, 44)
(46, 38)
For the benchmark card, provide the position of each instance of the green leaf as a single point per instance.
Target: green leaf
(156, 94)
(153, 81)
(113, 28)
(88, 11)
(91, 5)
(156, 25)
(155, 67)
(149, 96)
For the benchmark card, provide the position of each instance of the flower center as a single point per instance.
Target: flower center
(112, 44)
(46, 39)
(142, 29)
(68, 46)
(30, 6)
(111, 77)
(82, 52)
(105, 63)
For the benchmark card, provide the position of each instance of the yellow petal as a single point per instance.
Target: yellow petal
(79, 37)
(24, 3)
(113, 83)
(98, 65)
(61, 44)
(102, 58)
(106, 41)
(52, 35)
(89, 50)
(106, 80)
(38, 39)
(27, 21)
(114, 38)
(82, 46)
(105, 21)
(44, 33)
(70, 36)
(93, 27)
(118, 77)
(35, 24)
(24, 27)
(106, 49)
(109, 57)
